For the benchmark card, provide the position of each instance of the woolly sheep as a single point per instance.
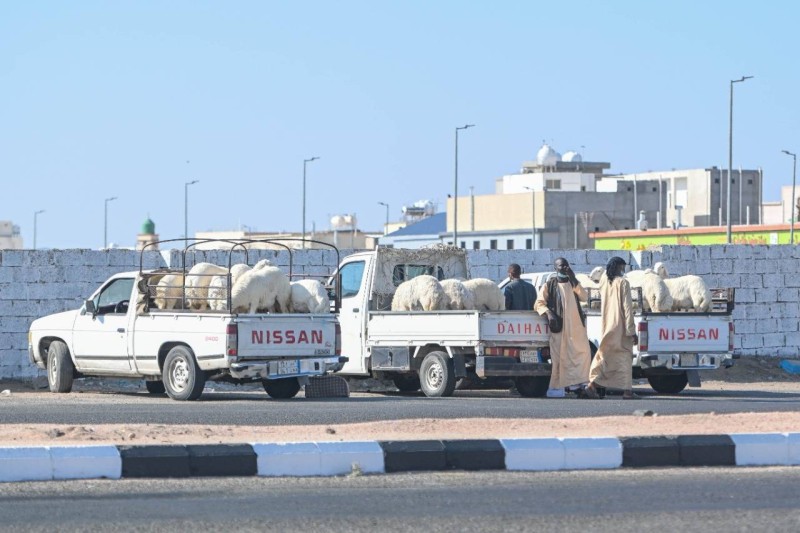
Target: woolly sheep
(458, 296)
(218, 287)
(655, 295)
(169, 292)
(488, 296)
(688, 292)
(197, 280)
(422, 293)
(261, 289)
(309, 296)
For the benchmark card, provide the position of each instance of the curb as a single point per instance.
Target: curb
(42, 463)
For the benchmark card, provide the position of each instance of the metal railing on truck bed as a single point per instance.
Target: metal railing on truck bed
(723, 301)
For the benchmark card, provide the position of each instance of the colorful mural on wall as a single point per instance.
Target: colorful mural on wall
(642, 240)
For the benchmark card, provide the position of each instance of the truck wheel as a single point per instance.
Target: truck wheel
(406, 382)
(60, 370)
(532, 386)
(282, 389)
(155, 387)
(668, 383)
(437, 375)
(182, 377)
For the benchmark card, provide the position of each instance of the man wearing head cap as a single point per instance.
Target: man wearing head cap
(611, 367)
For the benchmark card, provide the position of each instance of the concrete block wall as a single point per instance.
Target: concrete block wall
(34, 283)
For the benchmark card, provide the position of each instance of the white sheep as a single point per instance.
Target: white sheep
(688, 292)
(655, 295)
(197, 280)
(309, 296)
(218, 287)
(488, 296)
(169, 292)
(422, 293)
(458, 296)
(261, 289)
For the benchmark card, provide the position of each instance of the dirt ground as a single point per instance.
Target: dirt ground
(752, 373)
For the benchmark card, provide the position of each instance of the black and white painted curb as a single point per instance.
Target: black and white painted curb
(20, 463)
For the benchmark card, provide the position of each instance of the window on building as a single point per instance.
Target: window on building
(528, 244)
(493, 244)
(749, 181)
(476, 245)
(510, 244)
(553, 184)
(464, 244)
(583, 188)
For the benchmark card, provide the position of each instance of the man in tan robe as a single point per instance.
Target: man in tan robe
(569, 348)
(611, 367)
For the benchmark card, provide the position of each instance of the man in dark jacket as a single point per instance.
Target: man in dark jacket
(520, 295)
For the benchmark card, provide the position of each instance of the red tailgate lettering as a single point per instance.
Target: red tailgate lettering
(713, 333)
(257, 337)
(316, 336)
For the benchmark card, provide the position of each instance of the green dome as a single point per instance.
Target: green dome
(148, 227)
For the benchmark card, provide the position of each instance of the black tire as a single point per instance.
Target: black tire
(155, 387)
(668, 383)
(60, 370)
(182, 378)
(282, 389)
(532, 386)
(406, 382)
(437, 375)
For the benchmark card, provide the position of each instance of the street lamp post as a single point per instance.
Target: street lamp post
(533, 218)
(305, 161)
(186, 211)
(793, 202)
(730, 157)
(105, 221)
(35, 215)
(455, 195)
(386, 227)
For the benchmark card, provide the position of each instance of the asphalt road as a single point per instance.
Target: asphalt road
(254, 407)
(708, 499)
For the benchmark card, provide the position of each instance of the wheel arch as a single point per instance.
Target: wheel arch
(165, 349)
(44, 346)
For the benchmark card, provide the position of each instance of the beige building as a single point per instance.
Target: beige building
(355, 239)
(10, 237)
(780, 212)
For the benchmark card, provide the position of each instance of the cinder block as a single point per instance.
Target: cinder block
(405, 456)
(650, 451)
(85, 462)
(592, 452)
(721, 266)
(288, 459)
(774, 340)
(13, 258)
(22, 463)
(534, 454)
(745, 295)
(772, 280)
(719, 252)
(707, 450)
(751, 341)
(761, 448)
(477, 258)
(338, 458)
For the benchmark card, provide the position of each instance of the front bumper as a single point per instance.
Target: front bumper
(312, 366)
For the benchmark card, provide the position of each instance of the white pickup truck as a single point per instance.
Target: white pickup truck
(432, 350)
(177, 350)
(673, 347)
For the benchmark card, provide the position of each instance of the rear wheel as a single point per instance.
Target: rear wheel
(532, 386)
(182, 378)
(406, 382)
(668, 383)
(60, 370)
(437, 375)
(282, 389)
(155, 387)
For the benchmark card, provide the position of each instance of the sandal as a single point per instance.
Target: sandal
(589, 393)
(628, 395)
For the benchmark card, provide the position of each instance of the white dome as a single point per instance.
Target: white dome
(337, 221)
(546, 156)
(572, 157)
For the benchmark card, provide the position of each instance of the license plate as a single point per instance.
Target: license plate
(288, 367)
(689, 360)
(529, 356)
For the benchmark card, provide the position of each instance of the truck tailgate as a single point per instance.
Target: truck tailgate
(688, 332)
(524, 327)
(289, 335)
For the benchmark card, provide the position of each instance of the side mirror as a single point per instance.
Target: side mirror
(89, 306)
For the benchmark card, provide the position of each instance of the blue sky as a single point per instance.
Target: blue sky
(102, 99)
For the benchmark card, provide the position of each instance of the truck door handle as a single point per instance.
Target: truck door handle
(120, 330)
(355, 309)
